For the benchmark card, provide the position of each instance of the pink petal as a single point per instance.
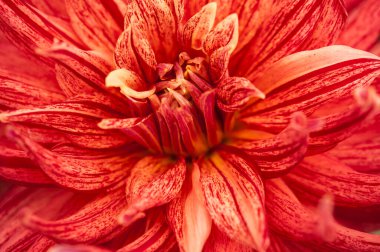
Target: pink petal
(287, 27)
(349, 188)
(278, 154)
(81, 173)
(307, 80)
(77, 248)
(239, 212)
(154, 181)
(94, 23)
(362, 28)
(188, 215)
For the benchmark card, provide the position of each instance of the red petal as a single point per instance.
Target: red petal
(287, 27)
(234, 93)
(92, 223)
(362, 28)
(195, 30)
(307, 80)
(84, 173)
(77, 248)
(157, 237)
(188, 215)
(94, 23)
(321, 174)
(289, 218)
(239, 212)
(154, 181)
(278, 154)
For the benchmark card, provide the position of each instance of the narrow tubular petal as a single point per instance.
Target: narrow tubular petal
(155, 238)
(234, 197)
(287, 27)
(77, 248)
(235, 92)
(188, 216)
(207, 102)
(154, 181)
(30, 29)
(363, 26)
(94, 23)
(84, 173)
(90, 224)
(349, 188)
(195, 30)
(339, 126)
(133, 51)
(307, 80)
(278, 154)
(141, 130)
(289, 218)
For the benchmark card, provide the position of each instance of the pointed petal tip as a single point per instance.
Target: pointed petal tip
(129, 216)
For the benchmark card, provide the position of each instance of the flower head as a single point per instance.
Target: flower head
(165, 125)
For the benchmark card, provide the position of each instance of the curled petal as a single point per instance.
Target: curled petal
(77, 248)
(362, 27)
(85, 173)
(158, 237)
(234, 196)
(307, 80)
(289, 218)
(349, 188)
(277, 155)
(141, 130)
(188, 215)
(195, 30)
(92, 223)
(154, 181)
(235, 92)
(130, 84)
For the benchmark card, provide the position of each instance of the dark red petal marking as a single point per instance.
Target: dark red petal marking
(94, 23)
(155, 238)
(307, 80)
(288, 217)
(90, 224)
(195, 30)
(207, 102)
(81, 173)
(362, 27)
(154, 181)
(141, 130)
(234, 93)
(234, 197)
(134, 52)
(349, 188)
(278, 154)
(288, 27)
(188, 215)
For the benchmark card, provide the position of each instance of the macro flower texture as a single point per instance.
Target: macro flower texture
(172, 125)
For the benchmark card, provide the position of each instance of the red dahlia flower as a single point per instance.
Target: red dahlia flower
(166, 125)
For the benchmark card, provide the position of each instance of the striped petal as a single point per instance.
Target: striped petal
(234, 198)
(97, 25)
(307, 80)
(287, 27)
(92, 223)
(188, 215)
(362, 27)
(349, 188)
(154, 181)
(289, 218)
(278, 154)
(81, 173)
